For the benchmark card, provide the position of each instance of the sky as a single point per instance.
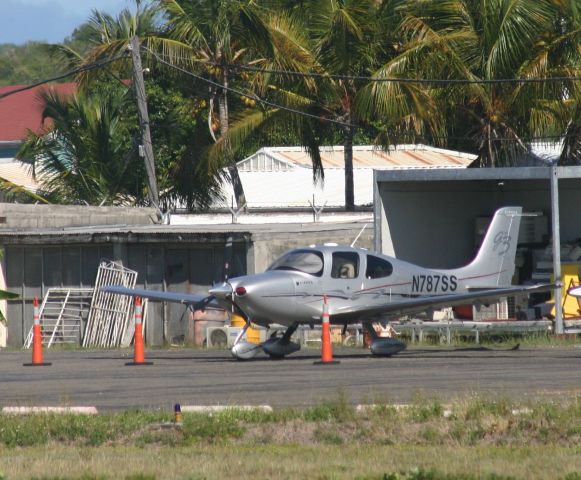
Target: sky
(49, 20)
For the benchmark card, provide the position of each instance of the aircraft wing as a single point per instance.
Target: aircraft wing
(156, 296)
(420, 304)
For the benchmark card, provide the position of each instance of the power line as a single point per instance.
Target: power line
(414, 135)
(249, 95)
(437, 81)
(84, 68)
(102, 63)
(432, 81)
(473, 137)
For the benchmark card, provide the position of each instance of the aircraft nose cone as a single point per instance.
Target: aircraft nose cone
(265, 295)
(223, 290)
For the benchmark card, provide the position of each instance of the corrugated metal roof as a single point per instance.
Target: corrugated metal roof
(266, 186)
(366, 156)
(19, 174)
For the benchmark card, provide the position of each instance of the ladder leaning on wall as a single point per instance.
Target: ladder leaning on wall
(107, 318)
(62, 312)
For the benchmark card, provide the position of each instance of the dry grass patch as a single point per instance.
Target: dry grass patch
(347, 461)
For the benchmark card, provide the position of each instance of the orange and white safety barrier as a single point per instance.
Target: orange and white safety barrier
(138, 344)
(37, 356)
(326, 348)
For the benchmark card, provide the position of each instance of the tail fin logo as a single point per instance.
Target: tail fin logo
(501, 243)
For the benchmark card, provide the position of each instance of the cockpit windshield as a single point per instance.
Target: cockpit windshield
(307, 261)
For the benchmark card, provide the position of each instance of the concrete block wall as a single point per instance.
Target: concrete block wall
(27, 217)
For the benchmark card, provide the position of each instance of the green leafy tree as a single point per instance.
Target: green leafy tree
(84, 155)
(209, 38)
(26, 64)
(88, 153)
(340, 41)
(186, 179)
(487, 40)
(183, 175)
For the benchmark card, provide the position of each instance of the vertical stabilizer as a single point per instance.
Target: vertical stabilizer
(494, 263)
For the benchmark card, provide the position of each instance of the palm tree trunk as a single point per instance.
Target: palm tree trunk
(224, 126)
(348, 133)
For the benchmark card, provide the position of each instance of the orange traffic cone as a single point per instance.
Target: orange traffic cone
(326, 349)
(37, 359)
(138, 346)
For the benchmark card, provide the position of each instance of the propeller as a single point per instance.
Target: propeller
(228, 254)
(202, 304)
(226, 271)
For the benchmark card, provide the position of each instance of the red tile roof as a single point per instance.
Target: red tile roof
(23, 111)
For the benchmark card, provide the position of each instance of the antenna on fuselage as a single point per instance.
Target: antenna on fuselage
(359, 234)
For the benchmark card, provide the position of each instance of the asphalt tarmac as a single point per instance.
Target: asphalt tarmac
(212, 377)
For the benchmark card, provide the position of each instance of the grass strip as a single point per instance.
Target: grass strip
(469, 421)
(248, 461)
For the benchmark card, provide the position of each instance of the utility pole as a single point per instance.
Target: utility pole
(145, 149)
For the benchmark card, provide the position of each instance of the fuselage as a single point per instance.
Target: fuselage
(292, 288)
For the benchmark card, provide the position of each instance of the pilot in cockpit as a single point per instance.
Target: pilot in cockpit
(347, 270)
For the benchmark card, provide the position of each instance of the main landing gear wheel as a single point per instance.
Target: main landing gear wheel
(277, 348)
(382, 346)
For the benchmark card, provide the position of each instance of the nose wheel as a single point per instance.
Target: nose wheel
(244, 350)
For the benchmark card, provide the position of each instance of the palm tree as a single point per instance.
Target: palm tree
(339, 41)
(108, 38)
(343, 35)
(327, 38)
(562, 48)
(483, 41)
(84, 155)
(209, 38)
(105, 37)
(184, 177)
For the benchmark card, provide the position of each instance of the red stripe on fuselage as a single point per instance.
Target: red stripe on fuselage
(408, 283)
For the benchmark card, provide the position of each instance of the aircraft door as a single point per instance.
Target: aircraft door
(345, 272)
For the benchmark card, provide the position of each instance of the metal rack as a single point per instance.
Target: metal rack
(110, 314)
(62, 313)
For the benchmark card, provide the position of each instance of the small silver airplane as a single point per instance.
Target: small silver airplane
(361, 286)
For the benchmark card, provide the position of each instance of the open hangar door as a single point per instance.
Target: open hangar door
(430, 217)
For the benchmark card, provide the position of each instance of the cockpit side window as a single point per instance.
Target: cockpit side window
(345, 265)
(307, 261)
(378, 267)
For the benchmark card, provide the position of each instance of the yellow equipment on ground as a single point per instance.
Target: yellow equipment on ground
(569, 278)
(252, 334)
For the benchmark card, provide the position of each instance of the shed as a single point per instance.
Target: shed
(282, 177)
(61, 246)
(430, 217)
